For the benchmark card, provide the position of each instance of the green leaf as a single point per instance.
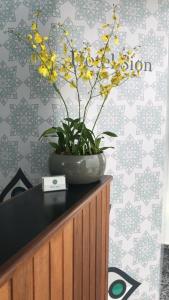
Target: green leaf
(54, 145)
(79, 126)
(109, 133)
(69, 120)
(59, 129)
(48, 132)
(98, 141)
(66, 128)
(61, 141)
(73, 121)
(88, 134)
(105, 148)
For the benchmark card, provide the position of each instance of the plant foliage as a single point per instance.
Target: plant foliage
(101, 71)
(73, 137)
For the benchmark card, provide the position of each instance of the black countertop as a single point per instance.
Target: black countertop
(25, 216)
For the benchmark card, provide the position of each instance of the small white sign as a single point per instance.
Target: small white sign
(53, 183)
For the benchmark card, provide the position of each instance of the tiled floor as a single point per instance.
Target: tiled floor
(165, 274)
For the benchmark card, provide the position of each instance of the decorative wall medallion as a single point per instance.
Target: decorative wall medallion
(121, 285)
(17, 185)
(9, 82)
(24, 120)
(17, 51)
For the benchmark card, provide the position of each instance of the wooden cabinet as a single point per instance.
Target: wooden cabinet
(69, 261)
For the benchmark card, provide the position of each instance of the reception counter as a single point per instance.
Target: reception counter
(54, 246)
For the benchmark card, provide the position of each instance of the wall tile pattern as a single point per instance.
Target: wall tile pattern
(136, 111)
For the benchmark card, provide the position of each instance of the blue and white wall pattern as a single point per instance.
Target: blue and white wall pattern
(136, 111)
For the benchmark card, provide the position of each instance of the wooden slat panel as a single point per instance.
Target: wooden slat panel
(98, 247)
(68, 260)
(23, 282)
(107, 232)
(93, 249)
(41, 274)
(104, 268)
(56, 250)
(78, 256)
(67, 267)
(5, 291)
(86, 262)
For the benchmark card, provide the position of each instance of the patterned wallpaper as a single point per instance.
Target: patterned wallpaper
(136, 112)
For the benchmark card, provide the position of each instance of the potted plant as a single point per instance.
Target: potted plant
(78, 151)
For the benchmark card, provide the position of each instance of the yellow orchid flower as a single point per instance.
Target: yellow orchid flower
(105, 59)
(68, 60)
(49, 65)
(33, 58)
(86, 75)
(88, 49)
(76, 53)
(43, 47)
(115, 65)
(38, 38)
(72, 84)
(105, 25)
(79, 57)
(82, 69)
(105, 38)
(107, 48)
(37, 13)
(44, 56)
(103, 74)
(129, 52)
(116, 79)
(105, 89)
(133, 74)
(53, 76)
(65, 48)
(34, 26)
(53, 57)
(89, 60)
(29, 37)
(121, 59)
(100, 51)
(63, 69)
(66, 33)
(67, 76)
(116, 40)
(89, 75)
(43, 71)
(96, 62)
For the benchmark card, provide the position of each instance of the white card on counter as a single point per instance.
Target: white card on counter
(54, 183)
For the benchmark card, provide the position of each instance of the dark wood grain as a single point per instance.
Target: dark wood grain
(68, 260)
(86, 254)
(78, 256)
(104, 268)
(92, 245)
(56, 252)
(22, 283)
(5, 291)
(98, 246)
(107, 234)
(41, 274)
